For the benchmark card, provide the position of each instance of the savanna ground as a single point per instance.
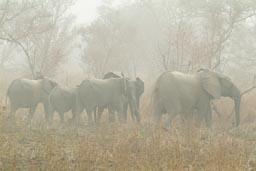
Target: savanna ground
(144, 147)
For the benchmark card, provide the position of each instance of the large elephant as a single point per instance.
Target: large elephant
(26, 93)
(62, 100)
(133, 99)
(178, 93)
(101, 93)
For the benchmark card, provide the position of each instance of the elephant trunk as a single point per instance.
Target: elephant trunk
(237, 110)
(237, 100)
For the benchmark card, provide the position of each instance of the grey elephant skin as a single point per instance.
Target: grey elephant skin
(136, 89)
(178, 93)
(62, 100)
(26, 93)
(100, 93)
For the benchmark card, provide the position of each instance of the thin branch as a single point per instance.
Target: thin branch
(12, 40)
(4, 13)
(248, 90)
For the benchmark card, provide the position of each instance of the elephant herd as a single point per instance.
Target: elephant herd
(114, 92)
(174, 93)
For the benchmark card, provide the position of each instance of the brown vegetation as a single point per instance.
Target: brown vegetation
(185, 147)
(139, 38)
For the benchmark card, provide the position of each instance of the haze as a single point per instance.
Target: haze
(128, 85)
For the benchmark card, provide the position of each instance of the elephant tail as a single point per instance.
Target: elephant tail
(154, 96)
(8, 91)
(7, 94)
(6, 100)
(5, 105)
(6, 97)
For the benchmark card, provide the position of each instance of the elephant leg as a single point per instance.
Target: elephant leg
(205, 113)
(11, 115)
(121, 114)
(125, 111)
(168, 122)
(77, 109)
(138, 106)
(208, 118)
(173, 111)
(31, 113)
(12, 111)
(89, 115)
(100, 111)
(134, 112)
(76, 117)
(95, 111)
(138, 103)
(137, 114)
(61, 114)
(157, 113)
(111, 117)
(49, 111)
(49, 116)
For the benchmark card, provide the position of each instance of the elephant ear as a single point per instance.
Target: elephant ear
(211, 83)
(139, 86)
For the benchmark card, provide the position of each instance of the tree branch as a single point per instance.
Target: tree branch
(12, 40)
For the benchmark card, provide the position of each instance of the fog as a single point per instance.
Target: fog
(86, 11)
(175, 49)
(138, 38)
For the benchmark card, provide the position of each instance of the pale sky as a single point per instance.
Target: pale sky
(86, 10)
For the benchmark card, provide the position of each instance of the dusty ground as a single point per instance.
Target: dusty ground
(123, 147)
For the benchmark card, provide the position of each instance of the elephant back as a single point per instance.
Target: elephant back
(22, 85)
(112, 74)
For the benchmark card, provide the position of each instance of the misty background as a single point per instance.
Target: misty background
(70, 40)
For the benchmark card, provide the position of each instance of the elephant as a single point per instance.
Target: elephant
(26, 93)
(62, 100)
(102, 93)
(136, 90)
(178, 93)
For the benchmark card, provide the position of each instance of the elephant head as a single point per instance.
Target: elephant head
(217, 85)
(133, 90)
(125, 81)
(131, 93)
(139, 84)
(48, 85)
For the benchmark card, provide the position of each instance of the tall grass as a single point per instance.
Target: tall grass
(107, 147)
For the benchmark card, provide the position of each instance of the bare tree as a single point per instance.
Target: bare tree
(25, 23)
(102, 37)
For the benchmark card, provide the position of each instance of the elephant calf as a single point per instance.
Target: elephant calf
(63, 100)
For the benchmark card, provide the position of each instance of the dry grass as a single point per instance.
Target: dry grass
(124, 147)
